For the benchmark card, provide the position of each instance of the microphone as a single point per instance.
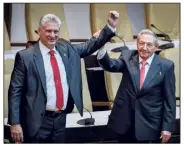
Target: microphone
(119, 49)
(36, 31)
(87, 121)
(167, 38)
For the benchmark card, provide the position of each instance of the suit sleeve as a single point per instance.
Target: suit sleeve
(169, 101)
(93, 44)
(111, 64)
(15, 90)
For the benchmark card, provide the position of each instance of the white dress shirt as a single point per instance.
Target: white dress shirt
(50, 84)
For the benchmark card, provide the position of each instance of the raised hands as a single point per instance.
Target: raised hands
(113, 18)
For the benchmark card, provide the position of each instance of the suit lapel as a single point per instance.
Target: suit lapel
(38, 59)
(153, 70)
(134, 67)
(64, 55)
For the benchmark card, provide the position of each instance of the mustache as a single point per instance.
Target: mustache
(52, 39)
(143, 51)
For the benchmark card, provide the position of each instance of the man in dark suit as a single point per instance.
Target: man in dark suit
(46, 82)
(145, 105)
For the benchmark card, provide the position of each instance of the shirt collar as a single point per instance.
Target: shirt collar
(149, 60)
(44, 50)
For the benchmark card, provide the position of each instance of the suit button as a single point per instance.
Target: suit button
(42, 114)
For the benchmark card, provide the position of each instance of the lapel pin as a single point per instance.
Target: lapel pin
(160, 73)
(64, 54)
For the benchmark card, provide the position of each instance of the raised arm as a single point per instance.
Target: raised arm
(106, 34)
(110, 64)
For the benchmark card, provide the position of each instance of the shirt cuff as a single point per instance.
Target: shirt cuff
(111, 28)
(101, 53)
(165, 132)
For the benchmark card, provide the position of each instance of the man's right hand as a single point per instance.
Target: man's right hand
(16, 133)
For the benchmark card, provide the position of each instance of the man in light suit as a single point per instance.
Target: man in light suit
(46, 82)
(145, 105)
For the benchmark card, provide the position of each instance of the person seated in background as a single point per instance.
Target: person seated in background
(46, 82)
(144, 108)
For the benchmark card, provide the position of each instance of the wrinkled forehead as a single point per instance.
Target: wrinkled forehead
(147, 38)
(51, 26)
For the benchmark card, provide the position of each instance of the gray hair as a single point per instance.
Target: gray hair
(149, 32)
(49, 18)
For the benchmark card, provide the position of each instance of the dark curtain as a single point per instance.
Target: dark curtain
(7, 16)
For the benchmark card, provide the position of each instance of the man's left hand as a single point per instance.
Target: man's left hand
(96, 34)
(165, 136)
(113, 18)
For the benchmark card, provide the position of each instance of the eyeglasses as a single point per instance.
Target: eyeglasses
(148, 45)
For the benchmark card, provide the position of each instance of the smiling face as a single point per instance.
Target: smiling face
(146, 46)
(49, 34)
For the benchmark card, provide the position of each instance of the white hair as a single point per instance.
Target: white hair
(149, 32)
(49, 18)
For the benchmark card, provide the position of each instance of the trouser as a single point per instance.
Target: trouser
(129, 136)
(52, 129)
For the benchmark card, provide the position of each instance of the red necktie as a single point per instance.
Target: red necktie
(57, 80)
(142, 73)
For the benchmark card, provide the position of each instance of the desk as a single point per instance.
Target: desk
(99, 133)
(101, 118)
(10, 54)
(132, 45)
(94, 133)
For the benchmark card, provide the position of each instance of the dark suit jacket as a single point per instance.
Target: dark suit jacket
(154, 106)
(27, 91)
